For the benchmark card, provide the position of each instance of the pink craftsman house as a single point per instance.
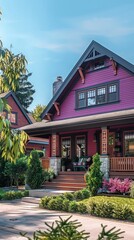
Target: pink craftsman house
(92, 111)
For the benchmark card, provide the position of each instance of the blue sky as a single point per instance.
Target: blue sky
(53, 34)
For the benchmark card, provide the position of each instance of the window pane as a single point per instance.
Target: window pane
(81, 95)
(129, 144)
(101, 95)
(112, 88)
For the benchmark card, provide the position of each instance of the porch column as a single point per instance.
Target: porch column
(55, 160)
(104, 158)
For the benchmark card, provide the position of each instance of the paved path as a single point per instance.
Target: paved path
(17, 216)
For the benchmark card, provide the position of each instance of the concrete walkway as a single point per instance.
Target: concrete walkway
(19, 216)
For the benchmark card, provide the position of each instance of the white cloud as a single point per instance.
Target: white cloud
(72, 38)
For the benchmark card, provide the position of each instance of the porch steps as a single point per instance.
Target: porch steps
(71, 181)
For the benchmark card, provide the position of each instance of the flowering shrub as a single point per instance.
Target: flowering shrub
(116, 185)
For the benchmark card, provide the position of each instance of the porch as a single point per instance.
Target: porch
(122, 167)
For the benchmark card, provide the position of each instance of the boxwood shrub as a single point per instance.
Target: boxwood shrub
(73, 207)
(10, 195)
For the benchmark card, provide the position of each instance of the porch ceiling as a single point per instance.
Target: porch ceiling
(98, 120)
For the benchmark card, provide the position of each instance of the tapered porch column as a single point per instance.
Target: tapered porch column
(104, 152)
(55, 160)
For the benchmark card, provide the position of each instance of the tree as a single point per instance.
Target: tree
(36, 113)
(16, 171)
(14, 76)
(25, 91)
(12, 142)
(34, 176)
(94, 175)
(12, 68)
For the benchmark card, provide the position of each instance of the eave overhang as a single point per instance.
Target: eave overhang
(98, 120)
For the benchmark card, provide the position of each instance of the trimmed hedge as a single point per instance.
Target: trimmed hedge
(69, 202)
(111, 207)
(101, 206)
(10, 195)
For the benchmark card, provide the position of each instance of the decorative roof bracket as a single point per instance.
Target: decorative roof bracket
(56, 105)
(114, 65)
(81, 74)
(49, 116)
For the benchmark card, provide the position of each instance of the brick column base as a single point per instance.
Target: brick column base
(55, 164)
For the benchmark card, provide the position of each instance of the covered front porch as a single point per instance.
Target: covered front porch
(110, 134)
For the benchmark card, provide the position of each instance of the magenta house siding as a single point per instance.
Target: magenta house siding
(126, 96)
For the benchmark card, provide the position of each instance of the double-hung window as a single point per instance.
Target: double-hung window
(82, 99)
(101, 95)
(112, 92)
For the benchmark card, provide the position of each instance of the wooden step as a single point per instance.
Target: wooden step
(72, 173)
(70, 180)
(65, 184)
(68, 188)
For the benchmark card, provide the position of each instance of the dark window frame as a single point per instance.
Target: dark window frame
(107, 94)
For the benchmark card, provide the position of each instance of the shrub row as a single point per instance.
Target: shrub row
(117, 208)
(108, 207)
(64, 204)
(10, 195)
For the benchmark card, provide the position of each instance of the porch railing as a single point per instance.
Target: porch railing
(124, 164)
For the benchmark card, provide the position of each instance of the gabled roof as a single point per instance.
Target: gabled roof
(94, 51)
(10, 93)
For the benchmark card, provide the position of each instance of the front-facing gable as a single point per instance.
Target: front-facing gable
(18, 116)
(98, 70)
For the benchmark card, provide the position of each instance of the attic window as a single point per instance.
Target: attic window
(99, 65)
